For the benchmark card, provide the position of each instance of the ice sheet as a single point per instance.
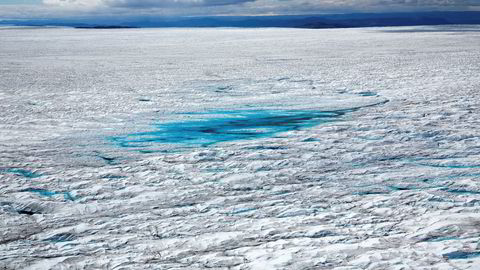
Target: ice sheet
(297, 159)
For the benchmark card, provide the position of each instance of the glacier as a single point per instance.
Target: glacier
(240, 148)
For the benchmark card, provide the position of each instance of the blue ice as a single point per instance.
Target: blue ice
(455, 255)
(48, 193)
(20, 172)
(231, 126)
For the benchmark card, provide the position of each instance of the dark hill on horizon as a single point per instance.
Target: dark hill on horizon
(288, 21)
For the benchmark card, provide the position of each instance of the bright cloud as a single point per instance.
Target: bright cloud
(75, 3)
(144, 3)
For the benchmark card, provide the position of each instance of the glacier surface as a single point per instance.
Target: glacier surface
(240, 148)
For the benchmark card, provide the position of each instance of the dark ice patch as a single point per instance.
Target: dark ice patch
(439, 238)
(61, 237)
(458, 255)
(367, 94)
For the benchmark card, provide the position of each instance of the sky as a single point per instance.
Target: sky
(28, 9)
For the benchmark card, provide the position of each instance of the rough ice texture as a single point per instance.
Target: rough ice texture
(388, 185)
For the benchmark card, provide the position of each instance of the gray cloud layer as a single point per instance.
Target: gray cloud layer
(172, 3)
(66, 8)
(293, 4)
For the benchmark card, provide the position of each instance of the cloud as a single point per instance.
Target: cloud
(117, 8)
(75, 3)
(316, 5)
(173, 3)
(145, 4)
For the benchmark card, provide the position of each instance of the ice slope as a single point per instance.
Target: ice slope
(311, 149)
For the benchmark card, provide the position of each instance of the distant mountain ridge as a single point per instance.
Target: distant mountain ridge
(289, 21)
